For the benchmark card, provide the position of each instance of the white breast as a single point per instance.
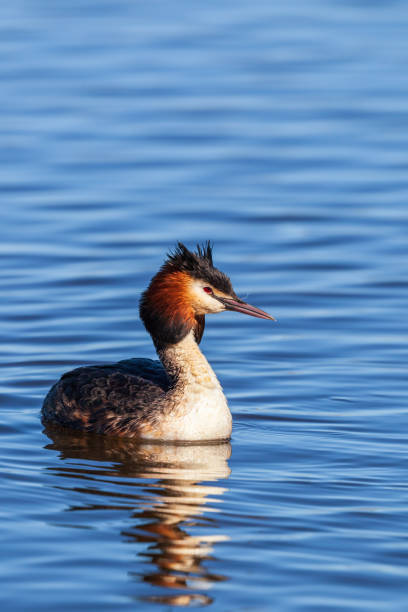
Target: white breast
(200, 416)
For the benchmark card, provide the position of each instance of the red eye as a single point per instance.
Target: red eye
(208, 289)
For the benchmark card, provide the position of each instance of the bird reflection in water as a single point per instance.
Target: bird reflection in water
(167, 501)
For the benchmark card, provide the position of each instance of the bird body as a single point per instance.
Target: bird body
(179, 399)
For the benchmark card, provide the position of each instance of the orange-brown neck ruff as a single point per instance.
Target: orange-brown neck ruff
(165, 307)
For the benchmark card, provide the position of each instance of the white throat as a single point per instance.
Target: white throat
(186, 364)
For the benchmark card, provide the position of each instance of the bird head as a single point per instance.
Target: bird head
(187, 287)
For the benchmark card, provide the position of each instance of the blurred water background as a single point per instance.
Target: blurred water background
(278, 131)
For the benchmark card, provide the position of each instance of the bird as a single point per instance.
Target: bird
(176, 399)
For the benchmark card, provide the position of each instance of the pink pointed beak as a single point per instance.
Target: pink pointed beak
(240, 306)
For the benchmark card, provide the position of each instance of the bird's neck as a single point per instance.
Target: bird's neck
(186, 365)
(194, 408)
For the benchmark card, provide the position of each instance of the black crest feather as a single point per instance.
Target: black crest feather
(199, 265)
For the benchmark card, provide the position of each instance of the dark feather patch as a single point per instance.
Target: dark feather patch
(117, 398)
(199, 328)
(163, 329)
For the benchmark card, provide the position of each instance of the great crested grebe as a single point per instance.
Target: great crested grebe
(177, 400)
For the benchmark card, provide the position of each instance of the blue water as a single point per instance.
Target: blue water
(278, 131)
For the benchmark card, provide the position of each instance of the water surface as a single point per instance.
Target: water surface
(278, 132)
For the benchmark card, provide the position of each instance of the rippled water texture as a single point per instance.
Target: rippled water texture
(279, 131)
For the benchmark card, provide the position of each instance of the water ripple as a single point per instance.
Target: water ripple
(278, 133)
